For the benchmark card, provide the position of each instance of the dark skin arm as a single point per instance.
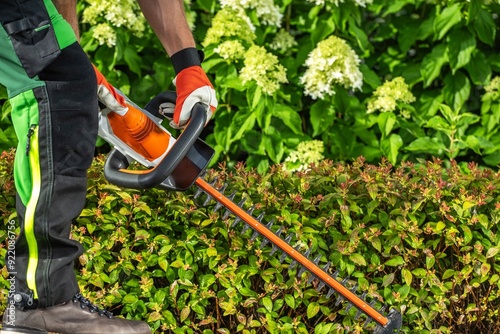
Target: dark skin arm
(166, 17)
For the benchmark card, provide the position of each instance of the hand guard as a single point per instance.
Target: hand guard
(192, 86)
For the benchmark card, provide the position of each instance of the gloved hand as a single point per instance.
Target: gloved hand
(192, 86)
(109, 96)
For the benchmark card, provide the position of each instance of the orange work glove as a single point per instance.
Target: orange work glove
(109, 96)
(192, 86)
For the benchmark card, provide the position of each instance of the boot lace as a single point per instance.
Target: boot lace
(84, 302)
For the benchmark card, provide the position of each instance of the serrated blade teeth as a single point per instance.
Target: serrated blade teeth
(250, 212)
(327, 266)
(236, 221)
(273, 250)
(292, 265)
(226, 214)
(283, 257)
(288, 239)
(241, 202)
(254, 236)
(382, 309)
(316, 259)
(270, 224)
(214, 181)
(217, 207)
(278, 232)
(310, 279)
(301, 271)
(307, 253)
(208, 200)
(320, 286)
(198, 193)
(263, 243)
(232, 196)
(260, 217)
(245, 228)
(222, 189)
(339, 300)
(348, 307)
(330, 293)
(335, 274)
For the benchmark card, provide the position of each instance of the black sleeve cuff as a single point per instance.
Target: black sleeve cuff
(186, 58)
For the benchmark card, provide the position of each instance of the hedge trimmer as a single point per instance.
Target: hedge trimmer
(177, 164)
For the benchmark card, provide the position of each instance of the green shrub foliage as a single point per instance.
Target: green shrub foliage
(421, 238)
(402, 79)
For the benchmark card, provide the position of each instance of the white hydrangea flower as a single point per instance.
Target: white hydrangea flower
(231, 50)
(125, 13)
(104, 34)
(493, 86)
(306, 153)
(267, 12)
(386, 96)
(263, 68)
(331, 63)
(360, 3)
(283, 41)
(230, 24)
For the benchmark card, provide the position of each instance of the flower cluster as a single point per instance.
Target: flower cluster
(267, 12)
(307, 153)
(283, 41)
(263, 68)
(231, 50)
(493, 86)
(385, 97)
(360, 3)
(230, 24)
(331, 63)
(125, 13)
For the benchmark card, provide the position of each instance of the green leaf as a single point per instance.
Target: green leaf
(427, 145)
(322, 117)
(312, 309)
(388, 279)
(479, 68)
(386, 122)
(358, 259)
(390, 147)
(461, 44)
(268, 303)
(492, 252)
(450, 16)
(432, 64)
(485, 26)
(395, 261)
(290, 301)
(407, 276)
(456, 90)
(289, 116)
(186, 311)
(467, 233)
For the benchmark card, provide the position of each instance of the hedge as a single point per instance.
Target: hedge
(422, 238)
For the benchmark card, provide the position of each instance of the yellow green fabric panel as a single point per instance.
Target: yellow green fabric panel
(29, 221)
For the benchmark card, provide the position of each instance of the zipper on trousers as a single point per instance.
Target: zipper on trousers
(31, 131)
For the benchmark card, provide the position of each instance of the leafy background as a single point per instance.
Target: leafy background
(421, 236)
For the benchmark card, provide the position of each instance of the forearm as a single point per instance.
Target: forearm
(168, 20)
(67, 8)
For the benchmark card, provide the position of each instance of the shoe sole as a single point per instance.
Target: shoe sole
(23, 331)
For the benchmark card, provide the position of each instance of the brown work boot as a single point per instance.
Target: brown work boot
(77, 316)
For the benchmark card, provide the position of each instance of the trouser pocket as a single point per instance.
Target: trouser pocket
(34, 41)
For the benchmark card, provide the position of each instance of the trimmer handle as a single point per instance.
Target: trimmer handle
(115, 169)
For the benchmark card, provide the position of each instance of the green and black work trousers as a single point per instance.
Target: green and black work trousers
(53, 93)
